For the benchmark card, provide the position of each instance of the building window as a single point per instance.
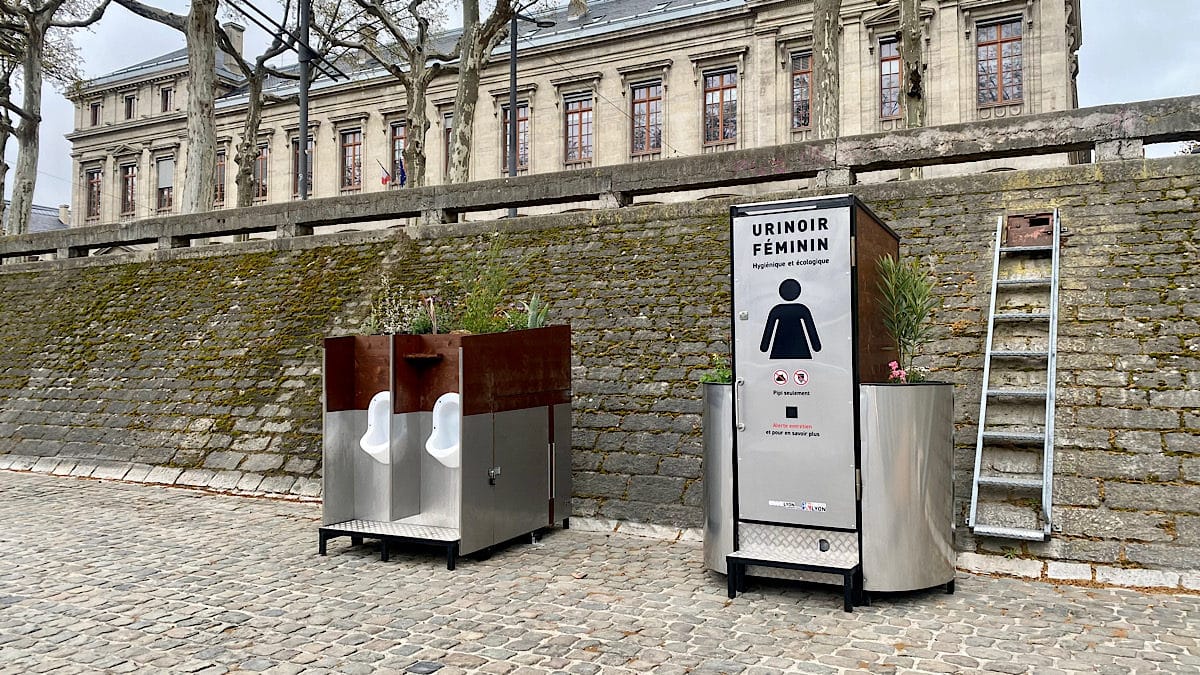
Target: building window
(998, 59)
(130, 107)
(447, 132)
(578, 132)
(166, 97)
(260, 173)
(889, 79)
(801, 91)
(128, 189)
(308, 174)
(351, 164)
(720, 107)
(219, 180)
(646, 112)
(522, 138)
(398, 130)
(165, 191)
(93, 178)
(94, 114)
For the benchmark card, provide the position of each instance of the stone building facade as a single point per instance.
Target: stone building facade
(628, 81)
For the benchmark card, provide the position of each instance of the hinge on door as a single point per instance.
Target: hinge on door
(493, 474)
(853, 252)
(858, 484)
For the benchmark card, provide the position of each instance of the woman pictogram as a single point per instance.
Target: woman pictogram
(790, 327)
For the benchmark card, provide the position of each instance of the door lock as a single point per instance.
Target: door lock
(493, 474)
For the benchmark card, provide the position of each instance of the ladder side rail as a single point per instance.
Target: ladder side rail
(1051, 381)
(987, 368)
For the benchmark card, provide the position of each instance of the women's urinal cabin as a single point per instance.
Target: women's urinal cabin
(458, 441)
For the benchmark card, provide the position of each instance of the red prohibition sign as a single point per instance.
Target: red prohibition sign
(781, 377)
(801, 377)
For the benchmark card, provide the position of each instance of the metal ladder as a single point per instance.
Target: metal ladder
(1005, 447)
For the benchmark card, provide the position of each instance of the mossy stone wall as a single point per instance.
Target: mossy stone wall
(210, 358)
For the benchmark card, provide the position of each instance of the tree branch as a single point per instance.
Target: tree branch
(170, 19)
(82, 23)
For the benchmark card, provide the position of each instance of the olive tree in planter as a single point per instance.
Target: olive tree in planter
(907, 443)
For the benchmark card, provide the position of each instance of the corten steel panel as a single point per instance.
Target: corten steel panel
(908, 486)
(342, 429)
(562, 463)
(516, 369)
(478, 497)
(521, 450)
(371, 356)
(794, 363)
(1029, 230)
(873, 240)
(424, 368)
(338, 373)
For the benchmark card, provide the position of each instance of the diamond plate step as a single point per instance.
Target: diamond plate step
(1013, 437)
(1026, 249)
(1023, 316)
(1033, 394)
(1012, 482)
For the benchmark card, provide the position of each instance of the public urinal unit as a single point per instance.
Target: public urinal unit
(459, 441)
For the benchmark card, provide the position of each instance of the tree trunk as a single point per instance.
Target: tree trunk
(417, 121)
(201, 121)
(912, 60)
(247, 150)
(6, 127)
(826, 63)
(25, 175)
(475, 46)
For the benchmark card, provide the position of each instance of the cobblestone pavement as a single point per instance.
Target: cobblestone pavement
(113, 577)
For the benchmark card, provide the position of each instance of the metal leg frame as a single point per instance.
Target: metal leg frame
(324, 535)
(851, 578)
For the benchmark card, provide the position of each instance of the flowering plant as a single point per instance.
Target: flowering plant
(906, 375)
(907, 301)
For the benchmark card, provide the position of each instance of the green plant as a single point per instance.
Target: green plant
(485, 283)
(906, 297)
(719, 370)
(393, 310)
(532, 314)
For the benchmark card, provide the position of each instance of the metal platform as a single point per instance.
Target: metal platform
(849, 569)
(395, 531)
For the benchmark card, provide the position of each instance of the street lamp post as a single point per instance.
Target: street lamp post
(512, 92)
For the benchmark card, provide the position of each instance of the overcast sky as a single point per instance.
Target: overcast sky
(1127, 55)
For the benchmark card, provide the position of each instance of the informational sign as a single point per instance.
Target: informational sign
(793, 364)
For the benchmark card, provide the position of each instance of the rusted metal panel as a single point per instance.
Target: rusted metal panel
(1035, 229)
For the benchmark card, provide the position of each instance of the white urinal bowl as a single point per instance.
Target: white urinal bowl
(377, 441)
(445, 443)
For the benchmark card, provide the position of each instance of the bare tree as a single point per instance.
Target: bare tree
(475, 45)
(410, 56)
(199, 27)
(33, 22)
(826, 61)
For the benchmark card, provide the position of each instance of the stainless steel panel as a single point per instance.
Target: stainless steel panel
(399, 529)
(562, 462)
(440, 492)
(477, 501)
(340, 439)
(406, 465)
(718, 475)
(372, 481)
(908, 487)
(793, 360)
(521, 450)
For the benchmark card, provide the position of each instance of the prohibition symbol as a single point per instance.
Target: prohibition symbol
(801, 377)
(781, 377)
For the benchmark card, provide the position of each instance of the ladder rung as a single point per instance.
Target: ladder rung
(1017, 393)
(1023, 316)
(1011, 533)
(1012, 482)
(1018, 354)
(1039, 281)
(1025, 249)
(1013, 437)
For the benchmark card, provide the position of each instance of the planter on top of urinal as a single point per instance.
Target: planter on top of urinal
(445, 443)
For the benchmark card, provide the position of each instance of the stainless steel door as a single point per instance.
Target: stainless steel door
(793, 364)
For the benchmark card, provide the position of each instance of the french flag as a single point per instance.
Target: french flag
(386, 177)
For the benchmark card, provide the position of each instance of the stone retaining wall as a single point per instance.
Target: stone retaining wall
(209, 359)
